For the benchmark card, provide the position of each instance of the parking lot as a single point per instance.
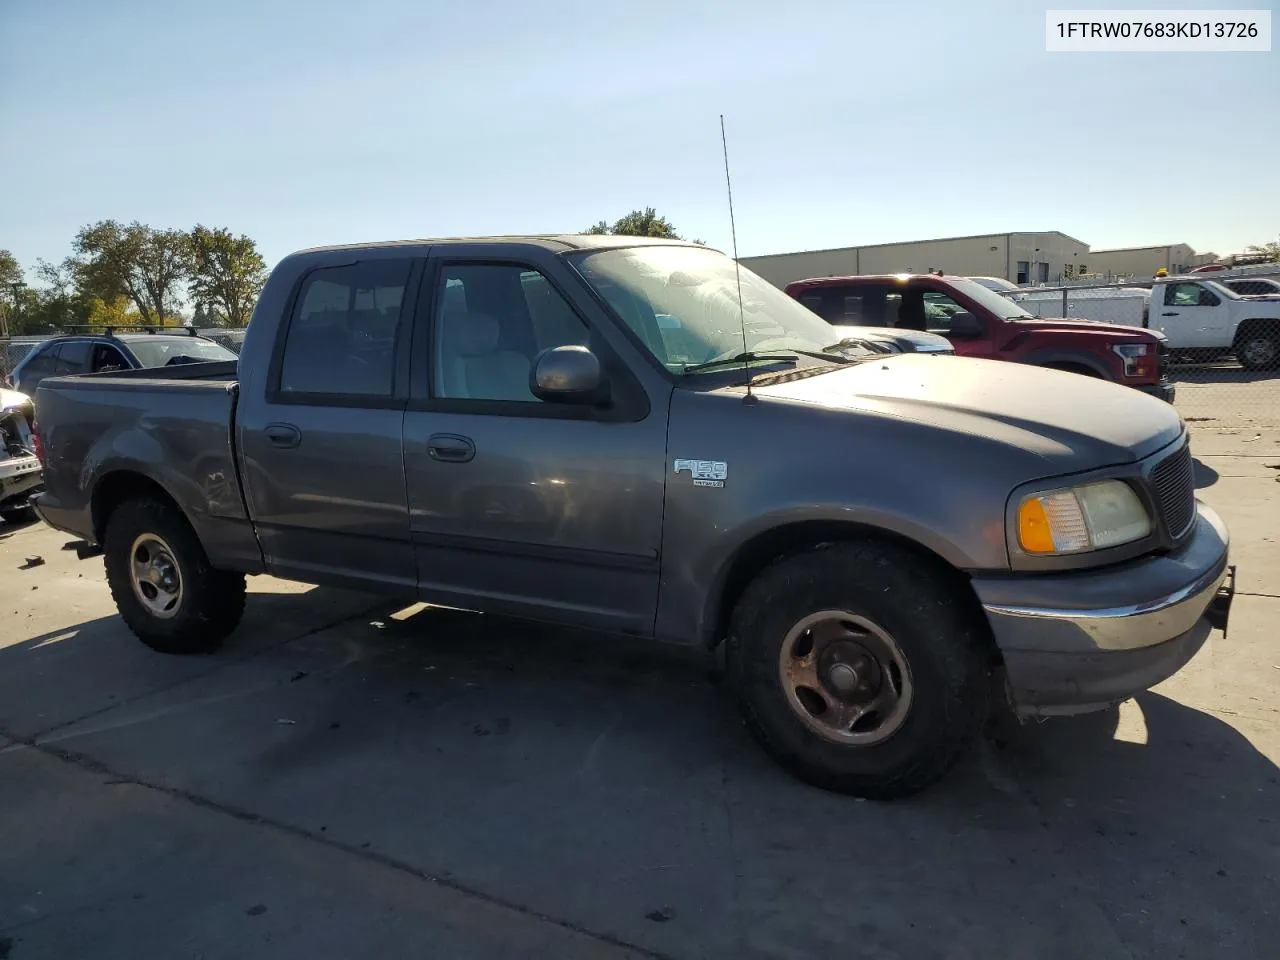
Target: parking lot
(351, 777)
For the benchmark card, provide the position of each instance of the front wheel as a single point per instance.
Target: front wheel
(859, 668)
(162, 583)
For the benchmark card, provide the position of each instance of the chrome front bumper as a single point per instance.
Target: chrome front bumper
(1080, 641)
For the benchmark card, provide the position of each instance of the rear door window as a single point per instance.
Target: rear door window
(42, 362)
(866, 305)
(342, 335)
(72, 358)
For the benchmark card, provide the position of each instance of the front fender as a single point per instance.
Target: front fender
(1078, 358)
(789, 464)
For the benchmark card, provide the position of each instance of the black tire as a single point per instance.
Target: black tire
(1259, 350)
(211, 602)
(945, 650)
(19, 515)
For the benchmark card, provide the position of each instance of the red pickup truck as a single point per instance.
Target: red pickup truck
(982, 323)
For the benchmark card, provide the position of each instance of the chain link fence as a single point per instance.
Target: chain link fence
(1222, 333)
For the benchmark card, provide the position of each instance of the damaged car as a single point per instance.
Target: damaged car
(21, 475)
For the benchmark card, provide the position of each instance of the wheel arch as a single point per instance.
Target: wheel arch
(117, 486)
(1074, 362)
(1252, 325)
(776, 543)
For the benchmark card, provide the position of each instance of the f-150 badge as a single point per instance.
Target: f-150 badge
(705, 473)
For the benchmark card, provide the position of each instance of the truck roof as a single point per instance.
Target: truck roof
(860, 277)
(550, 241)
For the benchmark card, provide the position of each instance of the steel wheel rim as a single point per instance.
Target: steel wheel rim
(1260, 350)
(845, 678)
(155, 576)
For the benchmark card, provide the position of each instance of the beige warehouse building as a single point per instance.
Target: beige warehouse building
(1047, 257)
(1145, 261)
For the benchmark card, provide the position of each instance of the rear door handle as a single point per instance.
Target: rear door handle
(283, 435)
(1172, 313)
(450, 448)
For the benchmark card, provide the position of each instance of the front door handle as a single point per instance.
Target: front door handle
(450, 448)
(1171, 313)
(284, 435)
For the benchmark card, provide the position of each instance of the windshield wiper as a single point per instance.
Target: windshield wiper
(831, 357)
(741, 360)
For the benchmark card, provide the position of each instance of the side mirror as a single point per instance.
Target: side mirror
(569, 374)
(965, 325)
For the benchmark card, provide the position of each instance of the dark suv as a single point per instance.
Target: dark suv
(97, 353)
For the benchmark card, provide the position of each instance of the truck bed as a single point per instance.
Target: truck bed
(172, 425)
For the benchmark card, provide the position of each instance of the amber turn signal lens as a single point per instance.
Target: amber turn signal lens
(1034, 533)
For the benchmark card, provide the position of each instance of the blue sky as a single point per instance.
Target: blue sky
(301, 123)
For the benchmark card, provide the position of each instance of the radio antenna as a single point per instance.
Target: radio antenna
(737, 268)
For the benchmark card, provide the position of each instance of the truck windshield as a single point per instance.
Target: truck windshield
(158, 351)
(682, 303)
(997, 303)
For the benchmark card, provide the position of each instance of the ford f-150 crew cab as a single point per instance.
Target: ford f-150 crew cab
(503, 425)
(982, 323)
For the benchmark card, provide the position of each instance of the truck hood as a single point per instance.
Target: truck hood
(1072, 421)
(1083, 325)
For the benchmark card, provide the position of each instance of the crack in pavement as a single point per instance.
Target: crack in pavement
(93, 765)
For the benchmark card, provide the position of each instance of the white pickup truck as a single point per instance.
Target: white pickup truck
(1205, 317)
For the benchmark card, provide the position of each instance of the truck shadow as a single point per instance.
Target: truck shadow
(1203, 474)
(8, 529)
(600, 780)
(1211, 373)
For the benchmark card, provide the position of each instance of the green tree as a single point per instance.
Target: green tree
(10, 272)
(146, 265)
(10, 293)
(639, 223)
(227, 274)
(1271, 249)
(117, 312)
(54, 303)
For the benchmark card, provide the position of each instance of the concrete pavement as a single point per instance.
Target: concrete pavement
(352, 778)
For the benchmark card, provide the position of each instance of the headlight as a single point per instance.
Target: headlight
(1089, 517)
(1132, 354)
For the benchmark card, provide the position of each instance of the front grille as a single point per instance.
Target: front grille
(1173, 483)
(1162, 353)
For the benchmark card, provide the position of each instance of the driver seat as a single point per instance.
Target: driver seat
(472, 366)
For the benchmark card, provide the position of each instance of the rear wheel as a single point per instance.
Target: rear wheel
(162, 583)
(859, 668)
(1259, 350)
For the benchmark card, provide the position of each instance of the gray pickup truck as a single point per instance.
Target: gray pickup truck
(887, 545)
